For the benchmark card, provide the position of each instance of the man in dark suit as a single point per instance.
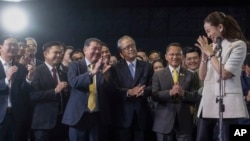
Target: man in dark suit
(173, 117)
(132, 81)
(49, 96)
(15, 87)
(88, 107)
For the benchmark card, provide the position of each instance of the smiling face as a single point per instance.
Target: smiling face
(192, 60)
(213, 31)
(93, 51)
(53, 55)
(128, 49)
(174, 56)
(9, 48)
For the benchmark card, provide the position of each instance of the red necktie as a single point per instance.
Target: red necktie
(54, 75)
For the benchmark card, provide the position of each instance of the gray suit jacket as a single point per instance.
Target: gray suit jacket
(168, 109)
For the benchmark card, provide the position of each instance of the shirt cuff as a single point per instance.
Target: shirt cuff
(28, 81)
(6, 82)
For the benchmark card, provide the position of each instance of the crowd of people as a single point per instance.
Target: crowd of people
(89, 94)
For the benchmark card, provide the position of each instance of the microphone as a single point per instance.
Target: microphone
(218, 46)
(218, 42)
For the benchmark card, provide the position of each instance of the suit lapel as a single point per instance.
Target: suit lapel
(47, 74)
(62, 75)
(125, 69)
(2, 73)
(14, 75)
(138, 70)
(168, 74)
(181, 76)
(82, 66)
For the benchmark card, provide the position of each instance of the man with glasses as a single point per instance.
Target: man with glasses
(132, 83)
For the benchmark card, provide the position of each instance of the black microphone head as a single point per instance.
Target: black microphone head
(218, 39)
(218, 42)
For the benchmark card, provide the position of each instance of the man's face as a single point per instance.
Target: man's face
(9, 48)
(174, 56)
(153, 56)
(93, 52)
(53, 55)
(143, 55)
(192, 61)
(77, 56)
(128, 49)
(30, 44)
(66, 55)
(21, 49)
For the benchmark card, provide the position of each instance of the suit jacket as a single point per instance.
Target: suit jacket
(168, 109)
(79, 80)
(19, 93)
(233, 55)
(46, 102)
(123, 106)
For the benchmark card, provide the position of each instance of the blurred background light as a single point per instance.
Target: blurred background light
(14, 20)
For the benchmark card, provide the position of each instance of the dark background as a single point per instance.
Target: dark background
(152, 23)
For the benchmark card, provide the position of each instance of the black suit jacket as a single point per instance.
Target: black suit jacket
(46, 102)
(168, 109)
(19, 93)
(123, 106)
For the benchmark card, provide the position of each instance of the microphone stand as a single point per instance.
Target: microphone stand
(220, 98)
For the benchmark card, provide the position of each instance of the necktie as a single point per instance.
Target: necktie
(131, 68)
(54, 75)
(92, 94)
(60, 108)
(175, 76)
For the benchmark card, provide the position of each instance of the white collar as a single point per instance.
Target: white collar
(171, 68)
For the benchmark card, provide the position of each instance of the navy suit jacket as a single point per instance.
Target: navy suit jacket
(79, 80)
(44, 99)
(19, 93)
(168, 110)
(124, 107)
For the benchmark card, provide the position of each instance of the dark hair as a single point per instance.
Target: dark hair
(75, 51)
(247, 60)
(89, 40)
(69, 47)
(154, 51)
(173, 44)
(159, 60)
(50, 44)
(137, 56)
(142, 50)
(231, 29)
(104, 44)
(189, 49)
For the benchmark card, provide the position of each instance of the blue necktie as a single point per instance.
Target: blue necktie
(131, 68)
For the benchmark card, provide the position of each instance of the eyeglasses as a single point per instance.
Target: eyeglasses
(128, 47)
